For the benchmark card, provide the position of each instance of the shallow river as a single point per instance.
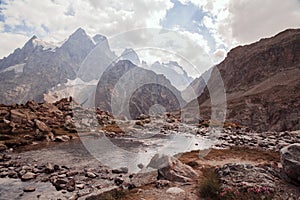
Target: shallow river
(92, 150)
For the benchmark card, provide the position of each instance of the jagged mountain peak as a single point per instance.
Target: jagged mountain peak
(35, 42)
(30, 41)
(131, 55)
(173, 63)
(99, 38)
(33, 38)
(128, 50)
(79, 38)
(79, 32)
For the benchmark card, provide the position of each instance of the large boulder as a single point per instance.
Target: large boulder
(17, 116)
(28, 176)
(42, 126)
(290, 159)
(172, 169)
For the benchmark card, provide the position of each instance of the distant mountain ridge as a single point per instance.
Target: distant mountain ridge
(171, 70)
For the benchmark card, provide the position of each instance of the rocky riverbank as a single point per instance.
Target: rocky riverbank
(33, 123)
(243, 162)
(53, 173)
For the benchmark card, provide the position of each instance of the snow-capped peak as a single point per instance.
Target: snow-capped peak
(46, 45)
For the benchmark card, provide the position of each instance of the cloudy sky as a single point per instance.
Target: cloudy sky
(213, 27)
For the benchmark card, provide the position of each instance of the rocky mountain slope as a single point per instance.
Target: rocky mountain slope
(262, 83)
(196, 87)
(128, 90)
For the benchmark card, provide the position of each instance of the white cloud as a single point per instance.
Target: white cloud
(236, 22)
(230, 22)
(252, 20)
(188, 49)
(218, 56)
(1, 26)
(9, 42)
(54, 20)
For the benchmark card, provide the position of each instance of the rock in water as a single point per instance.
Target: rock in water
(172, 169)
(122, 170)
(29, 189)
(290, 159)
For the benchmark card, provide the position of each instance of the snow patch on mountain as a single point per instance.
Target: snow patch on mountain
(17, 68)
(82, 92)
(78, 81)
(46, 45)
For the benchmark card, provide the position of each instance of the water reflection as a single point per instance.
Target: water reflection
(129, 152)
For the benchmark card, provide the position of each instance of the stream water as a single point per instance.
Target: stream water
(92, 150)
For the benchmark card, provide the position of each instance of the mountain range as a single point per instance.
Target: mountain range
(45, 71)
(128, 90)
(28, 73)
(260, 81)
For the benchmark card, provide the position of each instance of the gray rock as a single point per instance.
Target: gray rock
(80, 186)
(290, 159)
(63, 138)
(141, 179)
(60, 184)
(3, 174)
(49, 168)
(122, 170)
(98, 194)
(28, 176)
(118, 180)
(42, 126)
(29, 189)
(27, 168)
(162, 183)
(12, 174)
(22, 172)
(70, 185)
(175, 190)
(172, 169)
(90, 175)
(141, 166)
(72, 173)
